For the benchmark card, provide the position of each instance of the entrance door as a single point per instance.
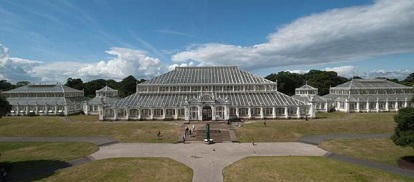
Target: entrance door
(207, 114)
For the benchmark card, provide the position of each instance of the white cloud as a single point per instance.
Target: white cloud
(171, 67)
(123, 63)
(345, 71)
(399, 74)
(338, 35)
(15, 69)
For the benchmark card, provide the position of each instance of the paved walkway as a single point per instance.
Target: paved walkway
(100, 141)
(207, 161)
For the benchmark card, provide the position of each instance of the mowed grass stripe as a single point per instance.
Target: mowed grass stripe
(293, 130)
(377, 150)
(303, 169)
(127, 169)
(121, 131)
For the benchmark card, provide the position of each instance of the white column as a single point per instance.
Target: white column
(152, 112)
(346, 105)
(396, 105)
(200, 113)
(45, 111)
(261, 113)
(387, 107)
(286, 113)
(27, 109)
(127, 113)
(274, 112)
(186, 114)
(55, 109)
(237, 111)
(213, 113)
(367, 105)
(298, 112)
(66, 110)
(377, 105)
(176, 113)
(226, 113)
(406, 102)
(115, 114)
(312, 111)
(36, 109)
(326, 106)
(357, 106)
(101, 112)
(249, 112)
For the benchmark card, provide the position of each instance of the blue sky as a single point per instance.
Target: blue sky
(50, 41)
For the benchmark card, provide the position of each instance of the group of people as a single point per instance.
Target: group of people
(188, 131)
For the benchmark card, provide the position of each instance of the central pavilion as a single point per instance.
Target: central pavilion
(206, 93)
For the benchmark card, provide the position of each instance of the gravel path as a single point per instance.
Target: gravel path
(207, 161)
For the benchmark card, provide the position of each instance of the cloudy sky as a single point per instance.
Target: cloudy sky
(50, 41)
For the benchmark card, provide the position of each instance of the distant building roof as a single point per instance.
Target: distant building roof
(43, 89)
(207, 75)
(368, 84)
(306, 87)
(106, 89)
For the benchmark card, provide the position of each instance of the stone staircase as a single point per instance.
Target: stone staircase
(219, 132)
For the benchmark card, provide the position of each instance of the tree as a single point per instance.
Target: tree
(127, 86)
(286, 81)
(323, 80)
(92, 86)
(75, 83)
(409, 81)
(404, 131)
(5, 107)
(5, 85)
(22, 83)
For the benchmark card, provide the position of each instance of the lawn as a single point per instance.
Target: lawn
(25, 157)
(377, 150)
(142, 131)
(330, 123)
(303, 169)
(126, 169)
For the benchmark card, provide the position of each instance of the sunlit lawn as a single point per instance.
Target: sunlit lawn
(126, 169)
(377, 150)
(331, 123)
(24, 157)
(142, 131)
(303, 169)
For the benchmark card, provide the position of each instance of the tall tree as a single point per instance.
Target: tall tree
(323, 80)
(127, 86)
(409, 81)
(5, 107)
(22, 83)
(92, 86)
(5, 85)
(75, 83)
(286, 81)
(404, 131)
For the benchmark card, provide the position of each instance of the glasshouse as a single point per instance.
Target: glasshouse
(377, 95)
(45, 99)
(105, 96)
(206, 93)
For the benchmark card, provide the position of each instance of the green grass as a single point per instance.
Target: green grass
(303, 169)
(377, 150)
(126, 169)
(85, 126)
(27, 156)
(334, 123)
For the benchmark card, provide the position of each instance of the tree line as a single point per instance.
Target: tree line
(287, 82)
(323, 80)
(125, 87)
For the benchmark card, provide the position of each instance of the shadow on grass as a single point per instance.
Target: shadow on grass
(406, 162)
(31, 170)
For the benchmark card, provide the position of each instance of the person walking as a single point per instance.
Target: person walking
(264, 123)
(159, 135)
(253, 142)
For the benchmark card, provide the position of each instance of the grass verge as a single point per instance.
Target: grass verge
(126, 169)
(85, 126)
(303, 169)
(23, 157)
(377, 150)
(334, 123)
